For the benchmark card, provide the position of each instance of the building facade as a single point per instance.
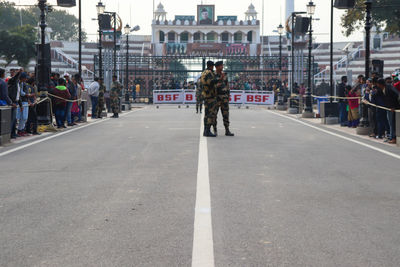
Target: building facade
(205, 34)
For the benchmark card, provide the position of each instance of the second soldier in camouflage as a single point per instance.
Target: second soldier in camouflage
(223, 93)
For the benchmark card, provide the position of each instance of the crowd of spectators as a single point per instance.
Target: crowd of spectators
(19, 91)
(381, 98)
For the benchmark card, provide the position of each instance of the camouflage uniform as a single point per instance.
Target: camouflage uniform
(100, 105)
(114, 96)
(209, 93)
(223, 93)
(199, 98)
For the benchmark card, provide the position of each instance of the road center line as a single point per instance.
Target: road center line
(59, 134)
(339, 136)
(203, 247)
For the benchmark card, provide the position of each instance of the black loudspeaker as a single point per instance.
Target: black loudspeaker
(43, 68)
(66, 3)
(344, 4)
(301, 26)
(378, 67)
(105, 22)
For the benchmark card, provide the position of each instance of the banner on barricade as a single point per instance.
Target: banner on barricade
(259, 98)
(167, 96)
(237, 97)
(190, 96)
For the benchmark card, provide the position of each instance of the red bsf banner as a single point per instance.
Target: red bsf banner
(190, 97)
(236, 97)
(262, 98)
(163, 97)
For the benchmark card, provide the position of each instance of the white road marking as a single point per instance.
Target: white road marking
(203, 246)
(58, 134)
(339, 136)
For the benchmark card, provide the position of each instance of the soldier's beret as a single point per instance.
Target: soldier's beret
(219, 63)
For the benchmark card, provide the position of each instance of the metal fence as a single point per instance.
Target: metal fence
(182, 72)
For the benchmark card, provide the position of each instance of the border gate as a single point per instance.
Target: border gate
(245, 73)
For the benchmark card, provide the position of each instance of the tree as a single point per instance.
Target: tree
(18, 44)
(385, 14)
(64, 25)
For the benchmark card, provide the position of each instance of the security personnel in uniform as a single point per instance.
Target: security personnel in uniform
(114, 96)
(101, 101)
(208, 82)
(223, 93)
(199, 98)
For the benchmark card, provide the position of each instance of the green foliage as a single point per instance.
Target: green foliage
(18, 44)
(64, 25)
(385, 13)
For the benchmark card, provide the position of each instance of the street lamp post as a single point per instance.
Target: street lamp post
(100, 11)
(280, 95)
(308, 110)
(331, 56)
(42, 76)
(80, 38)
(294, 15)
(127, 30)
(363, 127)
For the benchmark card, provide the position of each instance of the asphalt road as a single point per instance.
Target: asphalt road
(123, 193)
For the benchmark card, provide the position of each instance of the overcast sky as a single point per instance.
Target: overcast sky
(139, 12)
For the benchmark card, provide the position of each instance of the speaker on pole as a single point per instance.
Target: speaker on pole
(344, 4)
(66, 3)
(302, 24)
(43, 68)
(378, 67)
(105, 22)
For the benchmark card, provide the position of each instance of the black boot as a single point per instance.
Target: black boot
(197, 109)
(208, 133)
(215, 130)
(228, 133)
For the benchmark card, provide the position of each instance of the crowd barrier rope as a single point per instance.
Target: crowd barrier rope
(360, 100)
(239, 97)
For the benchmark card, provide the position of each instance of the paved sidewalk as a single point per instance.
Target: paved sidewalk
(337, 127)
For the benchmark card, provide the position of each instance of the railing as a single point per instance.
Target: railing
(59, 55)
(342, 63)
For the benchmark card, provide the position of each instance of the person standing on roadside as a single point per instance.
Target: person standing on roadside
(208, 82)
(60, 103)
(114, 96)
(100, 104)
(14, 92)
(391, 101)
(342, 102)
(93, 92)
(223, 94)
(72, 91)
(4, 89)
(199, 98)
(32, 123)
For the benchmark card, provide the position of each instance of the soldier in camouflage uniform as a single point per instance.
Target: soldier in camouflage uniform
(101, 101)
(114, 96)
(199, 98)
(223, 93)
(209, 93)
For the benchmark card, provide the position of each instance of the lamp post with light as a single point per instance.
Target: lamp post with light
(280, 95)
(308, 110)
(100, 11)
